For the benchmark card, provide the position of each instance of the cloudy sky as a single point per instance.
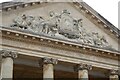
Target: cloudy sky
(107, 8)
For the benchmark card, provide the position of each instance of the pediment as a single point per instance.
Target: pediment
(60, 20)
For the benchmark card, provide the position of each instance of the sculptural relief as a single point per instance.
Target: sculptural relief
(68, 25)
(61, 25)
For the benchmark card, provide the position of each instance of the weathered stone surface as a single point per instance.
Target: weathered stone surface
(82, 67)
(50, 61)
(7, 63)
(6, 53)
(66, 55)
(60, 24)
(0, 64)
(64, 25)
(114, 74)
(48, 71)
(44, 9)
(83, 75)
(48, 68)
(7, 68)
(82, 70)
(114, 77)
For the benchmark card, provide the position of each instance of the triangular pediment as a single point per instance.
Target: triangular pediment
(60, 20)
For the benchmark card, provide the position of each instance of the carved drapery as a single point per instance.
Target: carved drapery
(62, 26)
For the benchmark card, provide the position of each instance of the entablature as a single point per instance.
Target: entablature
(15, 34)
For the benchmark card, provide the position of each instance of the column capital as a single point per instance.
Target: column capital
(6, 53)
(82, 67)
(114, 72)
(49, 61)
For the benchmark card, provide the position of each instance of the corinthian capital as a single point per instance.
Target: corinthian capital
(82, 67)
(6, 53)
(114, 72)
(50, 61)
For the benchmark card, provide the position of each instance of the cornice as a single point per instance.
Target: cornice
(21, 5)
(64, 45)
(111, 28)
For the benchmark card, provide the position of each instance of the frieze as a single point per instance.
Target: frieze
(62, 26)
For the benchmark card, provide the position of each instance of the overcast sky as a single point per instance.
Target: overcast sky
(107, 8)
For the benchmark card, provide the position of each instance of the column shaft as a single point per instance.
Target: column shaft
(7, 64)
(114, 77)
(0, 65)
(83, 74)
(82, 70)
(48, 68)
(7, 68)
(48, 71)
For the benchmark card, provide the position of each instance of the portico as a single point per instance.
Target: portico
(42, 40)
(38, 68)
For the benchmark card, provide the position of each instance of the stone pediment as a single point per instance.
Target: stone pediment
(60, 21)
(61, 25)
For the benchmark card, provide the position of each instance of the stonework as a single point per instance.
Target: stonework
(114, 75)
(6, 53)
(82, 67)
(50, 61)
(43, 33)
(114, 72)
(62, 26)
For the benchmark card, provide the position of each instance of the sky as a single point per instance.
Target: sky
(107, 8)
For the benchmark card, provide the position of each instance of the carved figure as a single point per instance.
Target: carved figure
(96, 39)
(23, 22)
(61, 24)
(51, 26)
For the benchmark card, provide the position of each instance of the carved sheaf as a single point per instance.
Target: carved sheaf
(62, 26)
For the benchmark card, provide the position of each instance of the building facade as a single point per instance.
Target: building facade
(57, 40)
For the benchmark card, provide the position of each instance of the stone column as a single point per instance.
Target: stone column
(82, 70)
(114, 75)
(0, 65)
(48, 68)
(7, 64)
